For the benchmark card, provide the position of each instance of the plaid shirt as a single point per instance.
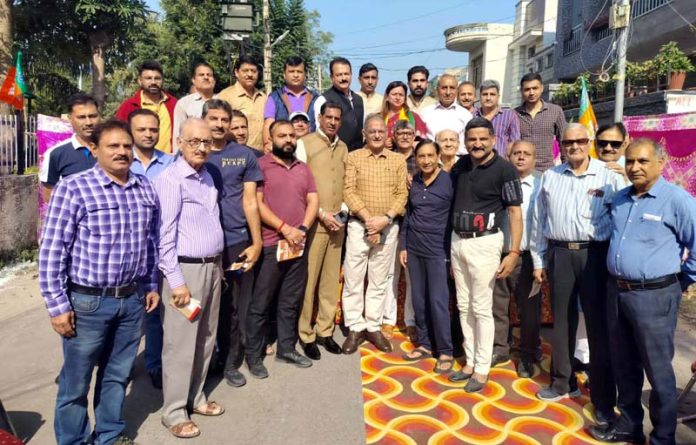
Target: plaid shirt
(548, 123)
(98, 234)
(506, 124)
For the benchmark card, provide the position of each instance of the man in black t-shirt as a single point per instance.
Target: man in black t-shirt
(485, 185)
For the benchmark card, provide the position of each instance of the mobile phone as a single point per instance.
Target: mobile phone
(239, 266)
(341, 217)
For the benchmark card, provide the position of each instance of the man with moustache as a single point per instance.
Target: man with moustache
(245, 97)
(149, 162)
(485, 187)
(447, 114)
(324, 154)
(505, 122)
(352, 107)
(151, 96)
(203, 82)
(368, 76)
(417, 78)
(235, 173)
(466, 95)
(288, 203)
(375, 190)
(71, 156)
(573, 229)
(98, 275)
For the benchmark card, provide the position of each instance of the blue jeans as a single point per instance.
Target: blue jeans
(107, 335)
(153, 341)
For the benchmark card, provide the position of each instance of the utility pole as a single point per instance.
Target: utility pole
(267, 48)
(319, 79)
(620, 17)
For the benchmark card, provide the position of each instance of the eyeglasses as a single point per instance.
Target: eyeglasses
(196, 143)
(404, 134)
(615, 145)
(570, 142)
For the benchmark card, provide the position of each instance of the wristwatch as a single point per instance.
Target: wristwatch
(390, 219)
(303, 228)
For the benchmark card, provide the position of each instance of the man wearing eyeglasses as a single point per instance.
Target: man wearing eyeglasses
(191, 244)
(573, 229)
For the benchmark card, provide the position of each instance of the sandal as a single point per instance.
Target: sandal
(184, 430)
(210, 409)
(419, 352)
(440, 367)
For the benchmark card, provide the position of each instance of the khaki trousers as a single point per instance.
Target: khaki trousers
(323, 267)
(475, 262)
(378, 262)
(188, 345)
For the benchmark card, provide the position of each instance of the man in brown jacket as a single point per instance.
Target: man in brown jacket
(325, 154)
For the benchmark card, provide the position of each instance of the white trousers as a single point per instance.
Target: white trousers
(390, 306)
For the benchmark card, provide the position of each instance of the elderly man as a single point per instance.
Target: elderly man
(71, 156)
(417, 78)
(654, 222)
(368, 76)
(324, 154)
(449, 146)
(466, 95)
(203, 83)
(97, 257)
(245, 97)
(376, 193)
(571, 244)
(191, 243)
(506, 122)
(446, 114)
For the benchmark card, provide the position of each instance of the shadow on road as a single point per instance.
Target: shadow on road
(26, 423)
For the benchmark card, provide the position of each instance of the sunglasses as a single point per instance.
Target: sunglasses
(614, 144)
(570, 142)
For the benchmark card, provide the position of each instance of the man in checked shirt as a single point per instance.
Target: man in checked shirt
(98, 275)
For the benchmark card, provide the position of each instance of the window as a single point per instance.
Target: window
(531, 51)
(549, 60)
(539, 66)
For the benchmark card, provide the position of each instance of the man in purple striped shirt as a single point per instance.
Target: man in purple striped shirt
(97, 258)
(191, 243)
(505, 122)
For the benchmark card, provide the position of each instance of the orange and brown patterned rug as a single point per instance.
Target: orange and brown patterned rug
(407, 403)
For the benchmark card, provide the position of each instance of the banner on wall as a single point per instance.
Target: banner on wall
(50, 131)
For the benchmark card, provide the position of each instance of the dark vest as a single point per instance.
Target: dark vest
(282, 112)
(352, 117)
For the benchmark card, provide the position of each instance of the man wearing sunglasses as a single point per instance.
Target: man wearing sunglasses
(611, 142)
(573, 229)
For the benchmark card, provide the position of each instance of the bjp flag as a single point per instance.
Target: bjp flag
(13, 88)
(587, 117)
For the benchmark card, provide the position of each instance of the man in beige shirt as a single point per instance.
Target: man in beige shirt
(244, 96)
(368, 76)
(418, 84)
(375, 190)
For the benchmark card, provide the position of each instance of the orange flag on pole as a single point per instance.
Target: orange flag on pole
(13, 88)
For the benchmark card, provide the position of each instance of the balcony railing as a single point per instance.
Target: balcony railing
(642, 7)
(474, 28)
(573, 41)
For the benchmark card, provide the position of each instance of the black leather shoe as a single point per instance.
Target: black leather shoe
(353, 341)
(329, 344)
(234, 378)
(611, 434)
(604, 419)
(257, 369)
(460, 376)
(156, 378)
(294, 358)
(311, 350)
(525, 369)
(474, 385)
(498, 359)
(377, 339)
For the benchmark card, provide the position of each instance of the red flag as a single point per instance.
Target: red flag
(11, 93)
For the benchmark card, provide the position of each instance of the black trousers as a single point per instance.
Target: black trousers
(289, 279)
(641, 334)
(234, 304)
(519, 283)
(572, 274)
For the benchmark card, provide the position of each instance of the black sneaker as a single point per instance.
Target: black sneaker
(498, 359)
(525, 369)
(235, 378)
(257, 369)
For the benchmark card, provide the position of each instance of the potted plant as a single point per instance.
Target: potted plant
(637, 75)
(671, 61)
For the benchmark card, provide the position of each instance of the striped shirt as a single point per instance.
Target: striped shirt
(98, 234)
(573, 208)
(506, 124)
(541, 129)
(190, 218)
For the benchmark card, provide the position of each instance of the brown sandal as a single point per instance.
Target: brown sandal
(210, 409)
(179, 429)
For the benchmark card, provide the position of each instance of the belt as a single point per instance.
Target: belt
(467, 235)
(655, 283)
(116, 292)
(575, 245)
(202, 260)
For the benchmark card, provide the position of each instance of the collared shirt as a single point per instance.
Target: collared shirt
(411, 167)
(188, 106)
(541, 129)
(297, 103)
(190, 218)
(301, 152)
(98, 234)
(165, 122)
(417, 107)
(285, 191)
(573, 207)
(506, 124)
(159, 162)
(530, 189)
(438, 117)
(650, 232)
(252, 107)
(373, 103)
(64, 159)
(377, 182)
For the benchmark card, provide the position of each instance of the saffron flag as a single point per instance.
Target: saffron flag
(587, 117)
(13, 88)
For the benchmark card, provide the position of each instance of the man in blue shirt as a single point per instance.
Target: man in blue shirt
(149, 162)
(653, 222)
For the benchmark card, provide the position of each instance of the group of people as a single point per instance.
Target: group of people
(219, 224)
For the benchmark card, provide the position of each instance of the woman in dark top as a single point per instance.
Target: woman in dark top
(423, 251)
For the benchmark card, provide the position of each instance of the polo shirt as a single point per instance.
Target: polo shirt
(64, 159)
(165, 122)
(160, 161)
(482, 193)
(252, 106)
(285, 192)
(297, 103)
(438, 117)
(230, 168)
